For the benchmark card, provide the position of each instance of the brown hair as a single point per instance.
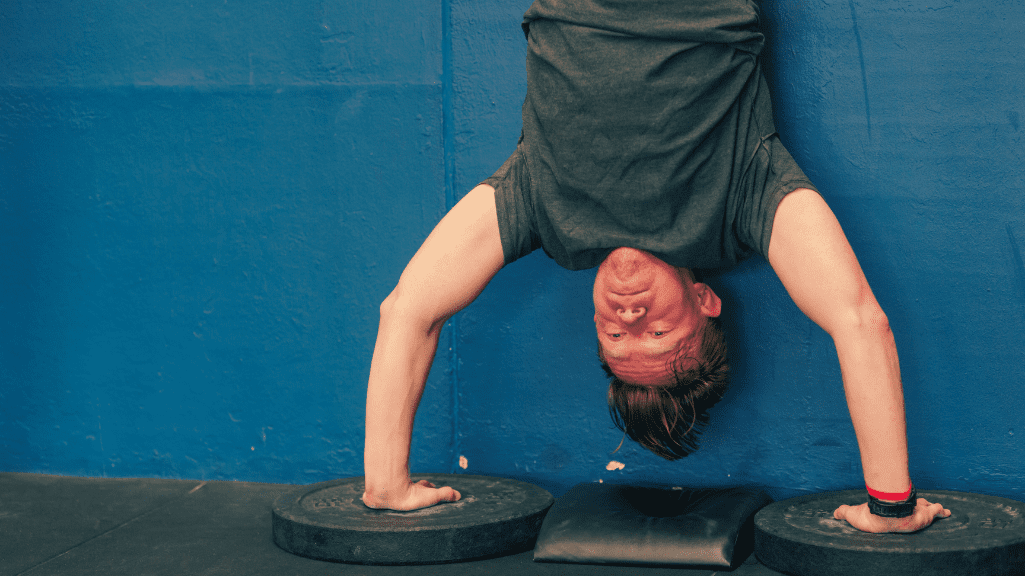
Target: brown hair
(668, 419)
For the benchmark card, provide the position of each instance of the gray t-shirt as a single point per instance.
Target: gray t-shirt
(646, 124)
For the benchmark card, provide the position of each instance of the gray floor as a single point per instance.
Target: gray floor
(71, 526)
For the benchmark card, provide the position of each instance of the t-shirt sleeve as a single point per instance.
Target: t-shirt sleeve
(515, 217)
(773, 175)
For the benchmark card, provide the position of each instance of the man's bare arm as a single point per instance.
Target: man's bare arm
(448, 272)
(816, 264)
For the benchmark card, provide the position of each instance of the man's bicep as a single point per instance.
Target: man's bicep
(456, 262)
(812, 257)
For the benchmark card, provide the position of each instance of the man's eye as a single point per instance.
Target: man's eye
(659, 333)
(615, 335)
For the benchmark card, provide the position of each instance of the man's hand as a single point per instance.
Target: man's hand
(417, 495)
(862, 519)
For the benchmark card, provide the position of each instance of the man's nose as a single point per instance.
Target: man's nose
(631, 315)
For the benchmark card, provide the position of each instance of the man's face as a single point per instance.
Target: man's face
(645, 312)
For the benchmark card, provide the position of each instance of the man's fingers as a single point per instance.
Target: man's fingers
(841, 512)
(421, 494)
(934, 510)
(436, 495)
(429, 495)
(449, 494)
(860, 517)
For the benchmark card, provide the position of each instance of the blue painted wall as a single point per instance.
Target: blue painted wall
(202, 206)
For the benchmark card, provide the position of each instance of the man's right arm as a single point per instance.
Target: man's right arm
(812, 257)
(448, 272)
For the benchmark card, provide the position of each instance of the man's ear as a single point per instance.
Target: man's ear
(711, 305)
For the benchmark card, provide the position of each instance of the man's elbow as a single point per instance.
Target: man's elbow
(390, 303)
(411, 310)
(866, 320)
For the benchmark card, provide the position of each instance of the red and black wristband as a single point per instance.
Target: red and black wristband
(901, 505)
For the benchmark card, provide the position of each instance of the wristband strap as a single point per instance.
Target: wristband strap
(892, 496)
(901, 509)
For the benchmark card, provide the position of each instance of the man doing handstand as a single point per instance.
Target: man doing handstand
(648, 149)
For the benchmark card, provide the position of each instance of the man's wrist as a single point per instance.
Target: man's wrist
(892, 509)
(384, 485)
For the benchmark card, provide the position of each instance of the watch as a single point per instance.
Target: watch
(901, 509)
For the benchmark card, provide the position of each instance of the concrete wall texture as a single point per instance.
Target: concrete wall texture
(202, 205)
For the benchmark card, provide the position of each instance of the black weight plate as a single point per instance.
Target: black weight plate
(328, 521)
(984, 536)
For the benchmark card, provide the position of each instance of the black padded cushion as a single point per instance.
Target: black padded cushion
(616, 524)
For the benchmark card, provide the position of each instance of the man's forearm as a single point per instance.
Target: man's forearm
(871, 375)
(398, 372)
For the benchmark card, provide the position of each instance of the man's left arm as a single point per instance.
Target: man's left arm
(815, 262)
